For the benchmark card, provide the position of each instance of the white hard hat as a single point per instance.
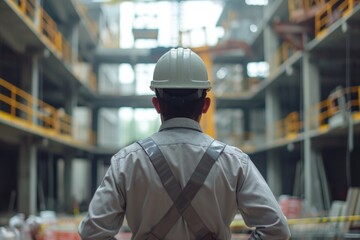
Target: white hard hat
(180, 69)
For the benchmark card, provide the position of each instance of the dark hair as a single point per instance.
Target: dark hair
(187, 103)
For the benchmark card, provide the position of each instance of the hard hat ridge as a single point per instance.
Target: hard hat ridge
(180, 68)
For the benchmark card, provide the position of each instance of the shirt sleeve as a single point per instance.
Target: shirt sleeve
(106, 210)
(258, 205)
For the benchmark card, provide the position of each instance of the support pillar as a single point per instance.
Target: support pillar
(273, 170)
(94, 172)
(271, 44)
(30, 80)
(247, 124)
(74, 42)
(72, 100)
(68, 161)
(51, 185)
(37, 13)
(272, 109)
(27, 170)
(71, 32)
(272, 115)
(27, 175)
(311, 90)
(60, 169)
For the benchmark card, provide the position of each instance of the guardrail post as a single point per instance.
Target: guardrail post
(37, 13)
(13, 103)
(358, 98)
(23, 6)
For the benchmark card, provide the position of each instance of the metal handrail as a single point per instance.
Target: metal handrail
(326, 14)
(329, 107)
(294, 221)
(284, 52)
(291, 126)
(92, 26)
(27, 7)
(21, 107)
(48, 28)
(305, 5)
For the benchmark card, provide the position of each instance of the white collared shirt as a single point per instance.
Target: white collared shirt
(131, 188)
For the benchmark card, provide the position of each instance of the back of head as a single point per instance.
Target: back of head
(180, 82)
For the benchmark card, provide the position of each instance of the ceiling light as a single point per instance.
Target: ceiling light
(257, 2)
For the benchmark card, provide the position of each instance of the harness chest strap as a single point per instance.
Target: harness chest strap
(181, 198)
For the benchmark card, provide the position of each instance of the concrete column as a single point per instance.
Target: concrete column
(37, 15)
(101, 170)
(247, 123)
(51, 184)
(72, 100)
(135, 78)
(30, 78)
(273, 170)
(27, 178)
(94, 171)
(68, 161)
(35, 78)
(94, 175)
(60, 169)
(74, 41)
(95, 122)
(311, 86)
(272, 111)
(27, 171)
(271, 44)
(70, 31)
(272, 116)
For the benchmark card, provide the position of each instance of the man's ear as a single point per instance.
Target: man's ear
(155, 102)
(206, 105)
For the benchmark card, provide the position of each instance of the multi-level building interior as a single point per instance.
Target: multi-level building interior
(74, 90)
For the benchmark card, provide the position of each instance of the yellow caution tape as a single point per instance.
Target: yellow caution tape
(241, 223)
(324, 219)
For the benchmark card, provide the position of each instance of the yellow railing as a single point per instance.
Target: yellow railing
(48, 28)
(281, 55)
(306, 6)
(92, 26)
(21, 107)
(333, 10)
(28, 7)
(92, 81)
(326, 109)
(289, 127)
(240, 224)
(293, 125)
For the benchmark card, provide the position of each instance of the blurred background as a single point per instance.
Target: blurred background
(74, 89)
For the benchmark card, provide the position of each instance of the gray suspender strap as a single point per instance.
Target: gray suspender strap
(181, 198)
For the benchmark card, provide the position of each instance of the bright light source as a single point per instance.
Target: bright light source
(253, 28)
(221, 73)
(126, 74)
(126, 113)
(101, 1)
(258, 69)
(257, 2)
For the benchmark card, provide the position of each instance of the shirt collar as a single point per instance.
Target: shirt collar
(180, 123)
